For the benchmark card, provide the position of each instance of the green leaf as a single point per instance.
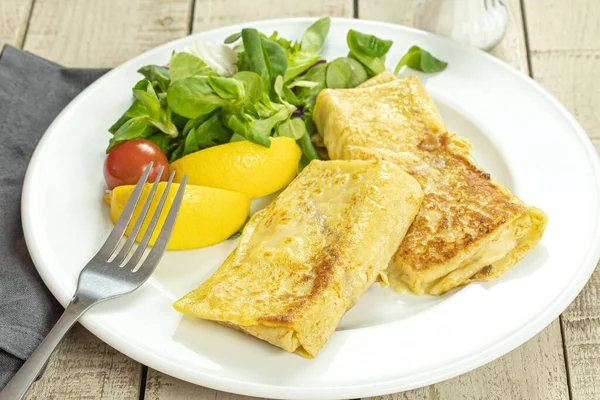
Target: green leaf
(150, 101)
(232, 38)
(192, 97)
(141, 84)
(314, 37)
(255, 56)
(290, 97)
(184, 65)
(196, 122)
(298, 62)
(179, 121)
(258, 137)
(278, 87)
(250, 111)
(367, 44)
(158, 76)
(311, 128)
(420, 60)
(242, 62)
(264, 57)
(243, 128)
(373, 65)
(211, 133)
(253, 85)
(131, 129)
(157, 116)
(136, 109)
(164, 123)
(275, 58)
(369, 50)
(236, 138)
(177, 152)
(283, 42)
(308, 149)
(293, 128)
(165, 142)
(191, 145)
(227, 88)
(265, 126)
(345, 72)
(115, 127)
(309, 95)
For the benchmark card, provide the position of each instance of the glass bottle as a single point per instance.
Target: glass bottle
(479, 23)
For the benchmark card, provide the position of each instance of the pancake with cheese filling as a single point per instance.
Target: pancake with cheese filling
(303, 261)
(469, 228)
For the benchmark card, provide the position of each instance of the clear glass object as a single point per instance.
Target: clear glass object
(479, 23)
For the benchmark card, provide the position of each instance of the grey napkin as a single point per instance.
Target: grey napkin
(32, 92)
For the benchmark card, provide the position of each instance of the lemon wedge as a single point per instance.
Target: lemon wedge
(243, 166)
(207, 215)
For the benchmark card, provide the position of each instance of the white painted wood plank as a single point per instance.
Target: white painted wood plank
(83, 367)
(581, 325)
(103, 33)
(211, 14)
(14, 15)
(565, 58)
(535, 370)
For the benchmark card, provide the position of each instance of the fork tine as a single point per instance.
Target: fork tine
(139, 252)
(124, 251)
(119, 230)
(157, 251)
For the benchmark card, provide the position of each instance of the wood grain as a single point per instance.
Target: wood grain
(565, 58)
(14, 15)
(567, 62)
(581, 327)
(83, 367)
(568, 65)
(535, 370)
(161, 386)
(211, 14)
(103, 33)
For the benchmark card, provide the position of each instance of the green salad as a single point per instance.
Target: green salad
(251, 87)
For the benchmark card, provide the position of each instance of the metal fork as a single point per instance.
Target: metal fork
(110, 273)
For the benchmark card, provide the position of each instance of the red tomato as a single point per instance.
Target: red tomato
(126, 162)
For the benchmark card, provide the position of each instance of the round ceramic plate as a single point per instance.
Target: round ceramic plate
(388, 342)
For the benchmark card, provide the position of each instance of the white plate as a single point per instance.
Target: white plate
(388, 342)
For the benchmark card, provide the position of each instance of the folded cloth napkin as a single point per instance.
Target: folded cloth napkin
(32, 93)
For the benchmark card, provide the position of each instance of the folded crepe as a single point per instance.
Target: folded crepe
(303, 261)
(469, 228)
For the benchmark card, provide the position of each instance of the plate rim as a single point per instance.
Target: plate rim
(380, 387)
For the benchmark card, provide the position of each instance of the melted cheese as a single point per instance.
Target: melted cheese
(302, 262)
(467, 220)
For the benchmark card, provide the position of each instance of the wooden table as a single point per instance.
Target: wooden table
(557, 42)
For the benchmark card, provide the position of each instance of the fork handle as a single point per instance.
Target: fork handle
(20, 383)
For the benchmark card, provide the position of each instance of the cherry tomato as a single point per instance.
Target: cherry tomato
(126, 162)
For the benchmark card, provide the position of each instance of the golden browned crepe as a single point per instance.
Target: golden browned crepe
(469, 228)
(303, 261)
